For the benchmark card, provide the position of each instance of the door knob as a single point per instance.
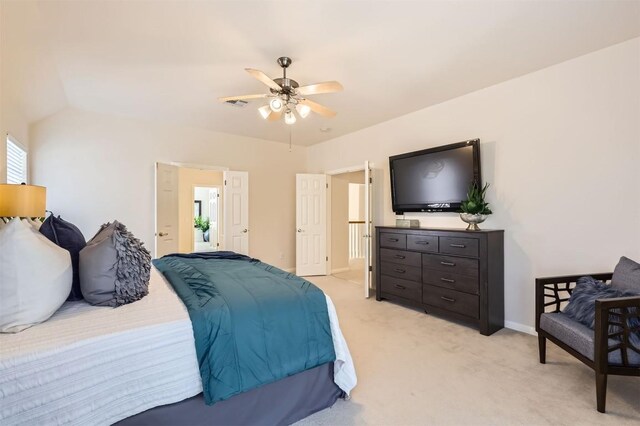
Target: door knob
(299, 229)
(162, 234)
(245, 230)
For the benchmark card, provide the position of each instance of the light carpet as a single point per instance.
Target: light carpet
(355, 272)
(417, 369)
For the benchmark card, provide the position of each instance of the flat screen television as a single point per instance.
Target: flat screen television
(434, 179)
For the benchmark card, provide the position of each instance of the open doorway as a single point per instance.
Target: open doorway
(323, 242)
(348, 226)
(191, 213)
(206, 218)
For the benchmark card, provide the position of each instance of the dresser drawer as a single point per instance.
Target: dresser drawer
(412, 273)
(461, 246)
(403, 288)
(426, 243)
(446, 279)
(456, 265)
(401, 257)
(451, 300)
(397, 241)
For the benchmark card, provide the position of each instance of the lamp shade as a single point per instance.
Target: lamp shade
(22, 200)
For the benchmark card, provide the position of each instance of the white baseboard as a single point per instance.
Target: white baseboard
(337, 271)
(520, 327)
(290, 270)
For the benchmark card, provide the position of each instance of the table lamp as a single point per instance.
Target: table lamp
(22, 200)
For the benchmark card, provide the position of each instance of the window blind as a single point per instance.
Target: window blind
(16, 163)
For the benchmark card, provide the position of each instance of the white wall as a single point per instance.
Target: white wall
(356, 202)
(561, 149)
(99, 168)
(30, 87)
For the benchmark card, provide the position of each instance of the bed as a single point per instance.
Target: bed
(137, 364)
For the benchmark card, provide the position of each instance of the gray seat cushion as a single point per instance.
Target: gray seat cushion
(580, 337)
(626, 276)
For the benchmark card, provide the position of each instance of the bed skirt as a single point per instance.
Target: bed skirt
(280, 403)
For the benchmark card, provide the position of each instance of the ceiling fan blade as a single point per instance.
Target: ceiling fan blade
(275, 116)
(318, 88)
(317, 108)
(259, 75)
(242, 97)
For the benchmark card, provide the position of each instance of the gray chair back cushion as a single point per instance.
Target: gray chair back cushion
(114, 267)
(626, 276)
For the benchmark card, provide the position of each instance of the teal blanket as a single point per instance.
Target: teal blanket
(253, 323)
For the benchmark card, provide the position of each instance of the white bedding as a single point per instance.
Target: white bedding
(97, 365)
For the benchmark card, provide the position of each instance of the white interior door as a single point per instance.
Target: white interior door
(236, 211)
(166, 209)
(311, 224)
(368, 228)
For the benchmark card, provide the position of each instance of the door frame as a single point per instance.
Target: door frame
(220, 198)
(155, 191)
(357, 168)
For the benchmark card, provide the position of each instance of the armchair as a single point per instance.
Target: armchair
(603, 350)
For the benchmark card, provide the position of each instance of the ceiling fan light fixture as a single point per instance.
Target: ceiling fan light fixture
(289, 117)
(265, 111)
(276, 104)
(303, 110)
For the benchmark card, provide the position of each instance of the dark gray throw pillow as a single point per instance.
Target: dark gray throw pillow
(67, 236)
(626, 276)
(582, 307)
(114, 267)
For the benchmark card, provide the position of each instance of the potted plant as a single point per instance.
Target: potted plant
(203, 224)
(475, 209)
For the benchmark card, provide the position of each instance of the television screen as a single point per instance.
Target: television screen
(435, 179)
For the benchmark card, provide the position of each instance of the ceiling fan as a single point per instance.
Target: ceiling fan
(286, 96)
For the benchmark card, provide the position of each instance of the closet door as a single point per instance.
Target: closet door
(166, 209)
(236, 211)
(311, 224)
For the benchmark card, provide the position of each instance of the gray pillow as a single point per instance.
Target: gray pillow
(114, 267)
(626, 276)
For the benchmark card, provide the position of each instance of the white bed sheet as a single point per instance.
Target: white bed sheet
(91, 365)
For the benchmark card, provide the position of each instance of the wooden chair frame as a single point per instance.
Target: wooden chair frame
(552, 292)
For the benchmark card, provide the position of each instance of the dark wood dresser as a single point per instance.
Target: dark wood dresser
(448, 272)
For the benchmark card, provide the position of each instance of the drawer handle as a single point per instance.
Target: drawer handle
(447, 280)
(458, 245)
(394, 240)
(400, 287)
(400, 271)
(399, 256)
(448, 263)
(448, 299)
(424, 243)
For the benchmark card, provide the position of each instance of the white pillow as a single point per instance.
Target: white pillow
(35, 276)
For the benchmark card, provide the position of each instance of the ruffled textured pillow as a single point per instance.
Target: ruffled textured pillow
(114, 267)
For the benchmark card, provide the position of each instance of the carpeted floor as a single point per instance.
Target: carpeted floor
(355, 273)
(417, 369)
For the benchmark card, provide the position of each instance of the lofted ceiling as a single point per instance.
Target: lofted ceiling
(169, 61)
